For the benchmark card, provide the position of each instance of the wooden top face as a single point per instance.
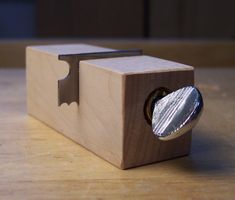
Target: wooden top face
(137, 65)
(121, 65)
(65, 49)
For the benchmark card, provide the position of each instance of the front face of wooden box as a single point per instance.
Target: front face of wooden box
(140, 145)
(109, 119)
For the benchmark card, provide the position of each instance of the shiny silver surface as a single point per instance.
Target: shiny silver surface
(176, 113)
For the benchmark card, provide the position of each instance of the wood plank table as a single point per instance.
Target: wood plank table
(38, 163)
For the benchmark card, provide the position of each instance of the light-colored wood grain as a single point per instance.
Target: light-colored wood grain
(211, 53)
(38, 163)
(89, 123)
(109, 119)
(141, 146)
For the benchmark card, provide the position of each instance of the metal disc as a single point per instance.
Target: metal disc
(177, 113)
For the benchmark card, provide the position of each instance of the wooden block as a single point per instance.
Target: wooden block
(109, 120)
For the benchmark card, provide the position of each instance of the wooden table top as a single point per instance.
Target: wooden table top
(36, 162)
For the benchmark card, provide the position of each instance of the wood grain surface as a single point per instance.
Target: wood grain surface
(38, 163)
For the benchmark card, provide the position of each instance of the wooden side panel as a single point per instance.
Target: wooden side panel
(89, 18)
(96, 123)
(208, 19)
(165, 18)
(192, 19)
(140, 145)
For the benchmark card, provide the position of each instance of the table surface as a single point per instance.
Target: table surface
(36, 162)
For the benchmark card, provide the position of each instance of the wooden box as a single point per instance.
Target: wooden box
(109, 119)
